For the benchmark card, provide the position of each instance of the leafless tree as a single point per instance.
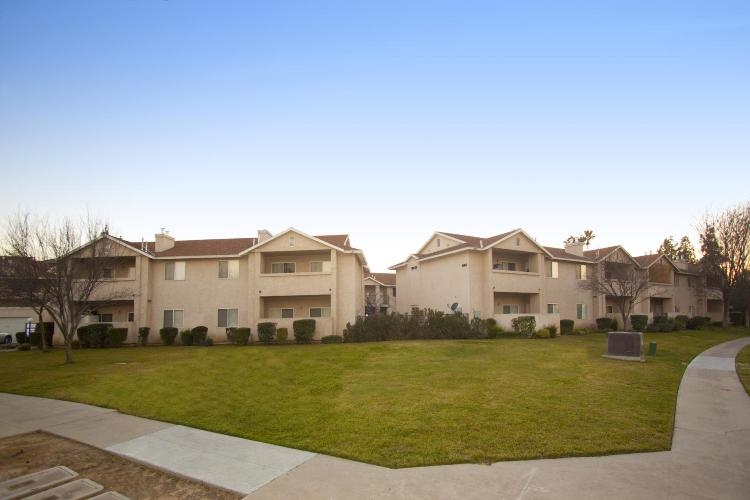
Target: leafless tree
(725, 245)
(624, 282)
(61, 268)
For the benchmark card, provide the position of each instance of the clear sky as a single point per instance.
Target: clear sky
(384, 120)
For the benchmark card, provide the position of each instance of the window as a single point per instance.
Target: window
(581, 272)
(173, 318)
(518, 242)
(319, 312)
(108, 273)
(505, 266)
(415, 311)
(691, 310)
(464, 264)
(131, 317)
(229, 269)
(551, 269)
(581, 311)
(174, 271)
(438, 242)
(283, 267)
(105, 318)
(320, 266)
(510, 308)
(287, 312)
(610, 309)
(553, 309)
(227, 318)
(676, 307)
(413, 268)
(291, 241)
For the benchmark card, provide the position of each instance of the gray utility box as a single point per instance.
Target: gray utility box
(627, 346)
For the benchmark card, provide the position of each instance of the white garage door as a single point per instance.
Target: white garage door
(12, 325)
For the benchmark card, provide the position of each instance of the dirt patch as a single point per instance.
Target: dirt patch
(25, 453)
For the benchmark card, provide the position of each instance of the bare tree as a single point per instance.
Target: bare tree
(621, 280)
(725, 245)
(61, 268)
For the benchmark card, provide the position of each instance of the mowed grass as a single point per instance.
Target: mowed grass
(396, 404)
(742, 363)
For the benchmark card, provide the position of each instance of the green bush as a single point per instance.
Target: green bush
(200, 333)
(186, 337)
(35, 338)
(230, 334)
(552, 329)
(241, 336)
(83, 336)
(167, 335)
(24, 347)
(98, 334)
(717, 323)
(652, 328)
(525, 325)
(208, 342)
(21, 338)
(266, 332)
(603, 323)
(116, 337)
(76, 344)
(332, 339)
(566, 326)
(282, 334)
(680, 322)
(582, 331)
(665, 326)
(143, 333)
(542, 334)
(638, 322)
(494, 331)
(304, 330)
(424, 324)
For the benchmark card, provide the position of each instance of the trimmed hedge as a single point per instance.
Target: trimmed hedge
(332, 339)
(21, 338)
(680, 322)
(49, 330)
(143, 333)
(200, 334)
(543, 334)
(525, 325)
(97, 334)
(606, 324)
(566, 326)
(425, 324)
(266, 332)
(304, 330)
(116, 337)
(638, 322)
(82, 333)
(241, 336)
(186, 337)
(552, 329)
(167, 335)
(282, 334)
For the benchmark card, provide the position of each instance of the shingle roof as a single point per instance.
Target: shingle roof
(561, 253)
(600, 253)
(448, 249)
(337, 240)
(388, 279)
(477, 241)
(647, 260)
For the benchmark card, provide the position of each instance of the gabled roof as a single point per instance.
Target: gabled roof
(562, 254)
(337, 240)
(600, 253)
(647, 261)
(386, 279)
(202, 248)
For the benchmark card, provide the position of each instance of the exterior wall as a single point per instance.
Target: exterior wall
(434, 246)
(435, 284)
(566, 292)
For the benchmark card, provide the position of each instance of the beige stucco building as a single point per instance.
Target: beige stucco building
(510, 275)
(380, 293)
(235, 282)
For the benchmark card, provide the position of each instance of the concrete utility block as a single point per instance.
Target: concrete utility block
(29, 484)
(74, 490)
(625, 346)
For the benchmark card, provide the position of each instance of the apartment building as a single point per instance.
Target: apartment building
(380, 293)
(510, 275)
(221, 283)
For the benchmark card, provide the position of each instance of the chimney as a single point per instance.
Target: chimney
(576, 248)
(264, 235)
(163, 241)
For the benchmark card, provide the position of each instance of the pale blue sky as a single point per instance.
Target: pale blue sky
(384, 120)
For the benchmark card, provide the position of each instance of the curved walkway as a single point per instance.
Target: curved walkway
(710, 456)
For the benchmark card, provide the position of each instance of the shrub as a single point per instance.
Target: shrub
(542, 334)
(566, 326)
(24, 347)
(143, 333)
(552, 329)
(116, 336)
(638, 322)
(717, 323)
(241, 336)
(266, 332)
(680, 322)
(83, 336)
(304, 330)
(424, 324)
(167, 335)
(652, 328)
(332, 339)
(208, 342)
(666, 326)
(603, 323)
(34, 337)
(614, 324)
(230, 334)
(491, 322)
(21, 338)
(98, 334)
(525, 325)
(582, 331)
(494, 331)
(696, 323)
(282, 334)
(186, 337)
(76, 344)
(200, 333)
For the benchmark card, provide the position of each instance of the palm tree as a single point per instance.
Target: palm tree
(588, 235)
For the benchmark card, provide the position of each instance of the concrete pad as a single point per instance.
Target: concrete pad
(74, 490)
(228, 462)
(97, 430)
(110, 495)
(19, 487)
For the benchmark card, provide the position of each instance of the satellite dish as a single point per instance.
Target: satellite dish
(454, 306)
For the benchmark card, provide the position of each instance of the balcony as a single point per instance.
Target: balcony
(515, 281)
(272, 284)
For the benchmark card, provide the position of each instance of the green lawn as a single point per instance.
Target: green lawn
(395, 404)
(743, 367)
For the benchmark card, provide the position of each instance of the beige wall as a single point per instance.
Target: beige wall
(435, 284)
(566, 291)
(445, 242)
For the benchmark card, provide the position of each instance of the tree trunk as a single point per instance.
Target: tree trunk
(624, 322)
(725, 316)
(68, 351)
(747, 317)
(42, 332)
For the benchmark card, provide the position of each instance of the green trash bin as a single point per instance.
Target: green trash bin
(652, 348)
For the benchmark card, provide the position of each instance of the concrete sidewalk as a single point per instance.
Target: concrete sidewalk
(710, 456)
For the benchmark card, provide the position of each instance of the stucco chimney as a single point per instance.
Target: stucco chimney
(576, 248)
(263, 235)
(163, 241)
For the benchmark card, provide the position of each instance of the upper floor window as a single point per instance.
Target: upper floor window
(105, 318)
(510, 309)
(283, 267)
(131, 317)
(174, 271)
(108, 273)
(319, 312)
(323, 266)
(291, 241)
(553, 308)
(229, 269)
(413, 268)
(394, 291)
(438, 242)
(505, 266)
(581, 272)
(551, 269)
